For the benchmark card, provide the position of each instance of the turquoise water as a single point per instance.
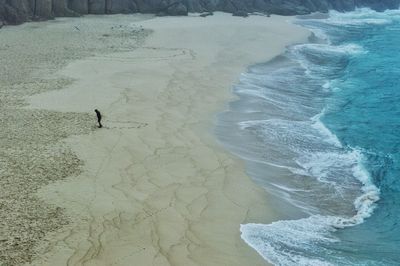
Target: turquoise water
(319, 128)
(364, 112)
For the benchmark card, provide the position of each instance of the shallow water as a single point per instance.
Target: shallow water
(318, 128)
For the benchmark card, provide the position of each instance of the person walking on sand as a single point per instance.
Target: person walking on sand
(98, 117)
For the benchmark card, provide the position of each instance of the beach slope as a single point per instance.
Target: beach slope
(156, 188)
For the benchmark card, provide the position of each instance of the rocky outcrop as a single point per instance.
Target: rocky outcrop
(121, 6)
(18, 11)
(43, 8)
(79, 6)
(60, 9)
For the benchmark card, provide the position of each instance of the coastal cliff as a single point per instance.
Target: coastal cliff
(15, 12)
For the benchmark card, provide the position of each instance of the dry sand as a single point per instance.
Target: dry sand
(32, 151)
(155, 187)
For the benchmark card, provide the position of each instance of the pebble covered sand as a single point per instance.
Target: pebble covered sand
(32, 150)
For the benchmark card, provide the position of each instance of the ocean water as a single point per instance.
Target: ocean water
(319, 129)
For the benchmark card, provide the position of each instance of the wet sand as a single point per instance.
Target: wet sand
(153, 187)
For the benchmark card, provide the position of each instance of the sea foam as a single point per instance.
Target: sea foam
(316, 150)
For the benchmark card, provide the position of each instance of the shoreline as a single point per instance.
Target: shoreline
(156, 186)
(317, 139)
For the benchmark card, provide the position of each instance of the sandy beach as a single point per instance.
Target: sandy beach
(153, 187)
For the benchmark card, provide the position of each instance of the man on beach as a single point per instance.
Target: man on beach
(98, 117)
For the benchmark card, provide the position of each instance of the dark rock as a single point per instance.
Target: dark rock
(194, 6)
(79, 6)
(21, 6)
(146, 6)
(226, 6)
(13, 14)
(210, 5)
(43, 9)
(242, 5)
(120, 6)
(97, 6)
(177, 10)
(60, 9)
(260, 5)
(18, 11)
